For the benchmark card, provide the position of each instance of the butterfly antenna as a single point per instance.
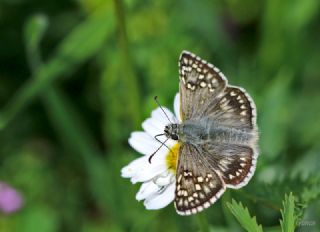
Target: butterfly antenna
(156, 100)
(162, 144)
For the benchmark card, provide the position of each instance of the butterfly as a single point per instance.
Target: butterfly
(218, 136)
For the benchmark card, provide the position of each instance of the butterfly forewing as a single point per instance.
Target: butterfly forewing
(197, 185)
(200, 83)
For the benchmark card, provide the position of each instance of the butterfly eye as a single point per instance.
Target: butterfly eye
(174, 137)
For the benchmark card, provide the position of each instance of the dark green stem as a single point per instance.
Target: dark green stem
(129, 78)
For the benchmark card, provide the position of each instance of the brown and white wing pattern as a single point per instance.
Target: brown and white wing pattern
(234, 108)
(204, 92)
(200, 82)
(234, 163)
(197, 184)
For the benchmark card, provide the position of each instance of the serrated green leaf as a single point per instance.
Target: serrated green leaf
(305, 191)
(243, 216)
(288, 215)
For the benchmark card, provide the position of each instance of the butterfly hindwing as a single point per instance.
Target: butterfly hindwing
(233, 108)
(233, 162)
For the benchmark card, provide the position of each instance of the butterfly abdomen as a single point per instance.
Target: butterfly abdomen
(203, 131)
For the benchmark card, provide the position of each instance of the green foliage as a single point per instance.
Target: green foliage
(288, 213)
(288, 220)
(305, 190)
(243, 216)
(77, 77)
(70, 53)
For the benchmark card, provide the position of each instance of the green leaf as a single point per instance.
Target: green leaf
(288, 215)
(305, 191)
(243, 216)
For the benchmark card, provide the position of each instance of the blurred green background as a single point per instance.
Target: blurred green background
(77, 76)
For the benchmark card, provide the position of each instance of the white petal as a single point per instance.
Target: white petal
(161, 118)
(141, 170)
(164, 179)
(153, 127)
(146, 190)
(143, 143)
(131, 169)
(176, 106)
(161, 200)
(148, 171)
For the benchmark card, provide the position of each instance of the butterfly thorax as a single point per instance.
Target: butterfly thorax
(186, 132)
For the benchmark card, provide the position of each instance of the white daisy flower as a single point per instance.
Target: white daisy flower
(158, 177)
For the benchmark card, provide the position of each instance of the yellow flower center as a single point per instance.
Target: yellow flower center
(172, 157)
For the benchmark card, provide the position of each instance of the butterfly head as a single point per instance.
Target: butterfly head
(171, 131)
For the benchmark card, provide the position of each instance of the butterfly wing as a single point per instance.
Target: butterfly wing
(204, 92)
(198, 185)
(233, 108)
(200, 83)
(234, 163)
